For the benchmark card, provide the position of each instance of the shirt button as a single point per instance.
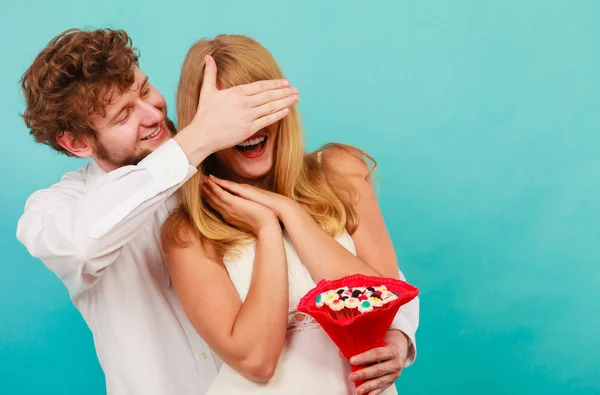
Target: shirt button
(203, 355)
(173, 175)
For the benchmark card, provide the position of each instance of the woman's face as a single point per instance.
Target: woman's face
(250, 161)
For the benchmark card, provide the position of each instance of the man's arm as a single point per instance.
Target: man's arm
(407, 322)
(77, 232)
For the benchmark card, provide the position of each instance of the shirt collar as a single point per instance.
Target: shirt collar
(93, 174)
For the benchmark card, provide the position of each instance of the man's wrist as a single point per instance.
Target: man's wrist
(408, 341)
(400, 340)
(192, 146)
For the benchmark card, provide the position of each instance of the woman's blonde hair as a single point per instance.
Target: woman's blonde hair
(299, 176)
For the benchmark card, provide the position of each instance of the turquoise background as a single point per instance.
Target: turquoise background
(485, 119)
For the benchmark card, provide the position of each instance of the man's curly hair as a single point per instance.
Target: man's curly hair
(73, 78)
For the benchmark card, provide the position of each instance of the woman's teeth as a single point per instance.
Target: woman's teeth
(154, 134)
(254, 141)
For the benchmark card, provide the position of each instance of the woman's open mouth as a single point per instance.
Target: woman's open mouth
(253, 147)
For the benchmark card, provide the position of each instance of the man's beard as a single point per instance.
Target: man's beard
(131, 160)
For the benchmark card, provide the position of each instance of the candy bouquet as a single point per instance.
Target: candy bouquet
(357, 311)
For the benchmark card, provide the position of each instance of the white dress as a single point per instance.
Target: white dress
(310, 363)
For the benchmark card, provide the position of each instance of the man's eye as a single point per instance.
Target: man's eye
(125, 117)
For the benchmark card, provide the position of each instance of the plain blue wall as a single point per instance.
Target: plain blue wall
(484, 117)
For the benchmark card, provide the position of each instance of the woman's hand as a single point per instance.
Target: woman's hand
(238, 211)
(312, 244)
(277, 203)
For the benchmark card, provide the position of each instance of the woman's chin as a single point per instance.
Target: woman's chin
(255, 172)
(252, 176)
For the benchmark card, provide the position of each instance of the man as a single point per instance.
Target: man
(98, 228)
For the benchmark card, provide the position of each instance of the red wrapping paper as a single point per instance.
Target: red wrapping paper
(364, 331)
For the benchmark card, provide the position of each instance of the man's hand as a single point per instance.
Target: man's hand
(227, 117)
(388, 362)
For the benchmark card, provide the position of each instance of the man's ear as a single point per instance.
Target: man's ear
(81, 147)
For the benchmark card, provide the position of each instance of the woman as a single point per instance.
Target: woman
(257, 227)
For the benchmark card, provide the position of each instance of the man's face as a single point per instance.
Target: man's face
(134, 125)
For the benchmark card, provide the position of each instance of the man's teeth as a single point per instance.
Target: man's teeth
(253, 141)
(154, 134)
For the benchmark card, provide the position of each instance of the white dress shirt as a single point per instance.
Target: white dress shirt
(99, 233)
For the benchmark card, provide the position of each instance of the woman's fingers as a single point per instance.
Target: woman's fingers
(212, 199)
(221, 194)
(230, 186)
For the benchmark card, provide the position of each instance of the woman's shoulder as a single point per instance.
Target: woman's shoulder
(344, 159)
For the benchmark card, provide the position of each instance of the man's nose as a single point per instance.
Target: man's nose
(150, 114)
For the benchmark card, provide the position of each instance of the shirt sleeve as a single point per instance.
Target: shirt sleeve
(78, 231)
(407, 321)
